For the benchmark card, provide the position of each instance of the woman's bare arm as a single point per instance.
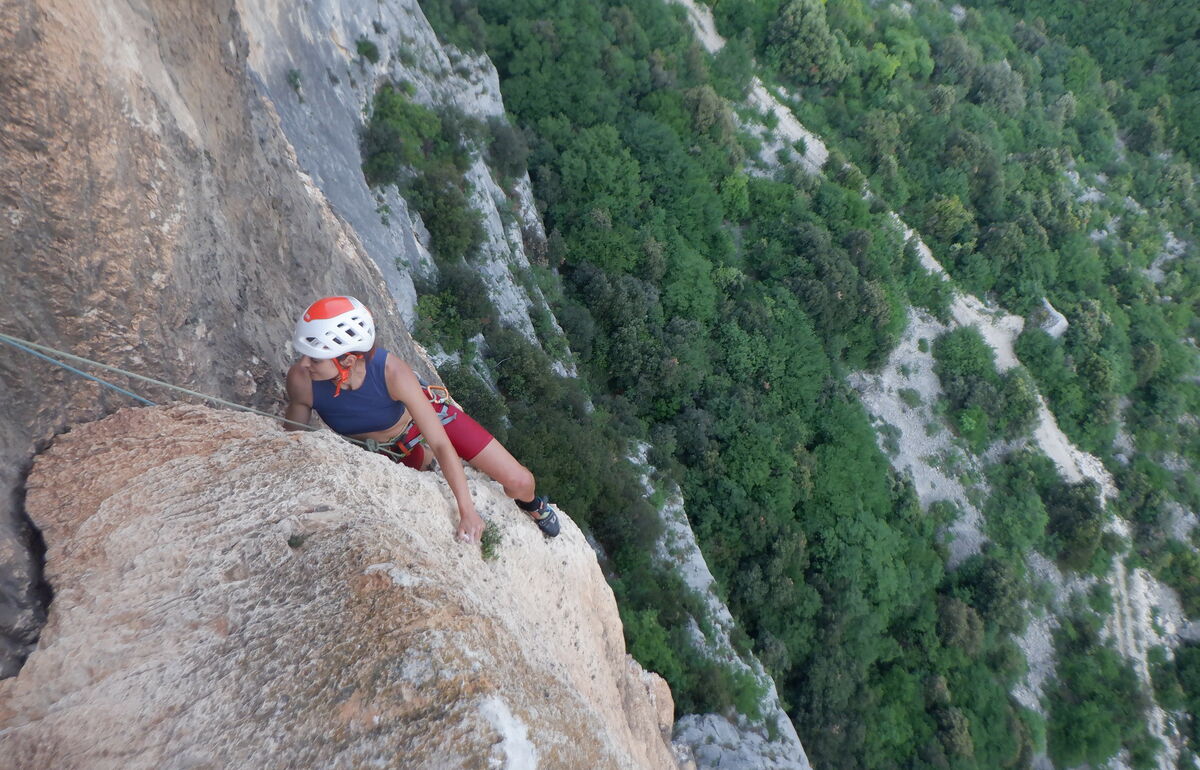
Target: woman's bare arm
(403, 386)
(299, 391)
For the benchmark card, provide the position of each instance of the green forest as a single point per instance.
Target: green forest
(716, 296)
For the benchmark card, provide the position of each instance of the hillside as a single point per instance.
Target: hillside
(959, 213)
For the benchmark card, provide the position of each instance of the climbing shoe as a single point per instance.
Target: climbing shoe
(544, 516)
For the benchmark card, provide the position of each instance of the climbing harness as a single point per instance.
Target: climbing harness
(406, 440)
(33, 348)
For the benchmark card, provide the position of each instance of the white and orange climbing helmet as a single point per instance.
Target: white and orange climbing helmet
(334, 326)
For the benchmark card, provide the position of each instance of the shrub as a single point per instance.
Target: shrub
(959, 625)
(1187, 670)
(1015, 514)
(984, 404)
(801, 46)
(367, 50)
(925, 289)
(436, 323)
(455, 227)
(422, 151)
(1100, 599)
(1097, 705)
(1076, 523)
(649, 643)
(403, 138)
(1016, 411)
(1178, 565)
(963, 358)
(508, 152)
(396, 136)
(1168, 691)
(910, 397)
(454, 309)
(994, 587)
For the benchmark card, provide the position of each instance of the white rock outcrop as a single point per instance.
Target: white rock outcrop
(730, 739)
(1052, 321)
(230, 595)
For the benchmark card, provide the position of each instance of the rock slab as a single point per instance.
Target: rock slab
(230, 595)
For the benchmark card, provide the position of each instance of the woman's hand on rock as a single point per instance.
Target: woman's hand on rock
(470, 527)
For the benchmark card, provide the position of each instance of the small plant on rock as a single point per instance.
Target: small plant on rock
(293, 79)
(911, 397)
(489, 542)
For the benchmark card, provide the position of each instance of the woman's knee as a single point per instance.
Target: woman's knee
(521, 483)
(501, 466)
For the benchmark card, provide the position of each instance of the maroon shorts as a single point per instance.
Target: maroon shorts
(467, 436)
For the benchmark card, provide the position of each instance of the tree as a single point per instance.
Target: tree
(455, 227)
(396, 136)
(951, 223)
(959, 625)
(508, 150)
(1097, 704)
(1077, 522)
(957, 60)
(801, 46)
(997, 85)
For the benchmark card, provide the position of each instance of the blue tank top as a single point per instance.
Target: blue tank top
(365, 409)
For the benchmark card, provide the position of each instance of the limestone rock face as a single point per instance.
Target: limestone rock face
(153, 216)
(228, 595)
(305, 58)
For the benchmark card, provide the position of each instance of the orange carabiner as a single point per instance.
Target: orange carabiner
(438, 394)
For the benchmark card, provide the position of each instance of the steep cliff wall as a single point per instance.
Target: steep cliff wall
(153, 217)
(306, 60)
(235, 596)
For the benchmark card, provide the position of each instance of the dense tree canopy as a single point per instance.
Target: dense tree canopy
(715, 303)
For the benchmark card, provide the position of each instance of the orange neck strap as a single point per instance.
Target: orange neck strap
(343, 375)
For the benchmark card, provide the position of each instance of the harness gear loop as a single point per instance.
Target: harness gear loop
(393, 447)
(439, 399)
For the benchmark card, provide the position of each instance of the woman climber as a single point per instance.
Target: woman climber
(366, 393)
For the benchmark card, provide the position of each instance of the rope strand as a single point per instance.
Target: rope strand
(32, 348)
(81, 373)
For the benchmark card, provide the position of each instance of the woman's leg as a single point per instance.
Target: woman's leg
(518, 483)
(496, 462)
